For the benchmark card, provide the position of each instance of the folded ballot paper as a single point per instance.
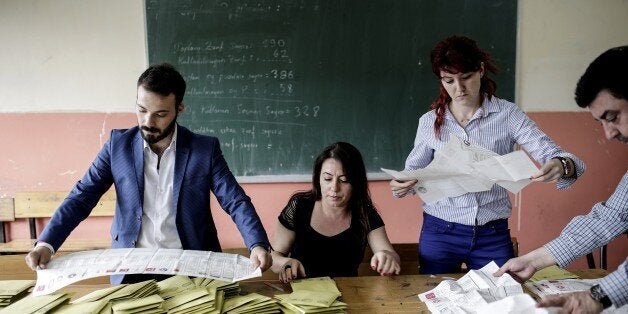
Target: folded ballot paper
(463, 167)
(474, 290)
(13, 290)
(38, 304)
(312, 295)
(176, 295)
(68, 269)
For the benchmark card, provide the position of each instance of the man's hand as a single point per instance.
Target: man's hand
(523, 267)
(576, 302)
(39, 256)
(261, 258)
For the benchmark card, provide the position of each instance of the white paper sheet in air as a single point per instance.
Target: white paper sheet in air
(463, 167)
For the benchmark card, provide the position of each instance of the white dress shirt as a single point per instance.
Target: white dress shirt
(159, 229)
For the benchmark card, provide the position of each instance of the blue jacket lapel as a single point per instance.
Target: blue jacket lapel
(180, 163)
(138, 158)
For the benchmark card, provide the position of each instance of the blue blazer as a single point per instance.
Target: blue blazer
(199, 168)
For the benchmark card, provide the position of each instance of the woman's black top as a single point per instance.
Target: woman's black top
(335, 256)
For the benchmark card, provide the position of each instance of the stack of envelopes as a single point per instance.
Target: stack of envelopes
(196, 300)
(13, 290)
(183, 296)
(153, 304)
(230, 289)
(250, 303)
(119, 293)
(313, 295)
(174, 285)
(134, 291)
(95, 307)
(39, 304)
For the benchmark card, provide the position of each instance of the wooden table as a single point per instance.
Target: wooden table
(366, 294)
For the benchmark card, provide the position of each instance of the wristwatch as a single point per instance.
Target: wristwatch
(599, 295)
(567, 171)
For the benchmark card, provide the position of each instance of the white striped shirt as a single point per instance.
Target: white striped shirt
(606, 221)
(497, 125)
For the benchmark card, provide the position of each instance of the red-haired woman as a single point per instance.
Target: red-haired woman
(473, 228)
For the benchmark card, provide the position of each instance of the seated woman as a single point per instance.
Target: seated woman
(324, 231)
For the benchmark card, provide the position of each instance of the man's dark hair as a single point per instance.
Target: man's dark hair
(609, 72)
(164, 80)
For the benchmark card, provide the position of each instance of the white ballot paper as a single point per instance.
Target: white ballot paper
(515, 304)
(549, 287)
(68, 269)
(475, 289)
(463, 167)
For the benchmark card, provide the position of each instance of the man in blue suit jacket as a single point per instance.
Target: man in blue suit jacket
(163, 174)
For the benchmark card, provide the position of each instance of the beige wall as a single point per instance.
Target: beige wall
(82, 55)
(70, 55)
(557, 40)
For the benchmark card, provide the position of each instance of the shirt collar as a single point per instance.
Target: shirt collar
(488, 106)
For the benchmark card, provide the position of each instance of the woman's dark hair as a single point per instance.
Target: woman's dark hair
(164, 80)
(608, 71)
(355, 171)
(459, 54)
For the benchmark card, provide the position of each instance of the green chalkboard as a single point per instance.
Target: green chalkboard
(277, 80)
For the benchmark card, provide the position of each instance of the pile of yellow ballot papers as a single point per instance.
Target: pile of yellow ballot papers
(313, 295)
(195, 300)
(553, 273)
(39, 304)
(153, 304)
(110, 296)
(181, 295)
(13, 290)
(230, 289)
(96, 307)
(251, 303)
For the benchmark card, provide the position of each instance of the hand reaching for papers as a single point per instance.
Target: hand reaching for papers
(550, 172)
(523, 268)
(38, 257)
(575, 302)
(385, 263)
(291, 270)
(401, 188)
(261, 258)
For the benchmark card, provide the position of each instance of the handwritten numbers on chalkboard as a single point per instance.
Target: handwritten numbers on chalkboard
(278, 80)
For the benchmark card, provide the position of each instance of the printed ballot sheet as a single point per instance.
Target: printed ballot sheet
(475, 289)
(463, 167)
(68, 269)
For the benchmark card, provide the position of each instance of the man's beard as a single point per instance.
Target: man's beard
(155, 135)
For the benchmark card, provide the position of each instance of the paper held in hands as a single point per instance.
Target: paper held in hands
(463, 167)
(68, 269)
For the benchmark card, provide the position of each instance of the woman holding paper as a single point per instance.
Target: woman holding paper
(324, 231)
(473, 228)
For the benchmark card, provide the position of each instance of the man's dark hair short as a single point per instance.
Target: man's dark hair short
(609, 72)
(164, 80)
